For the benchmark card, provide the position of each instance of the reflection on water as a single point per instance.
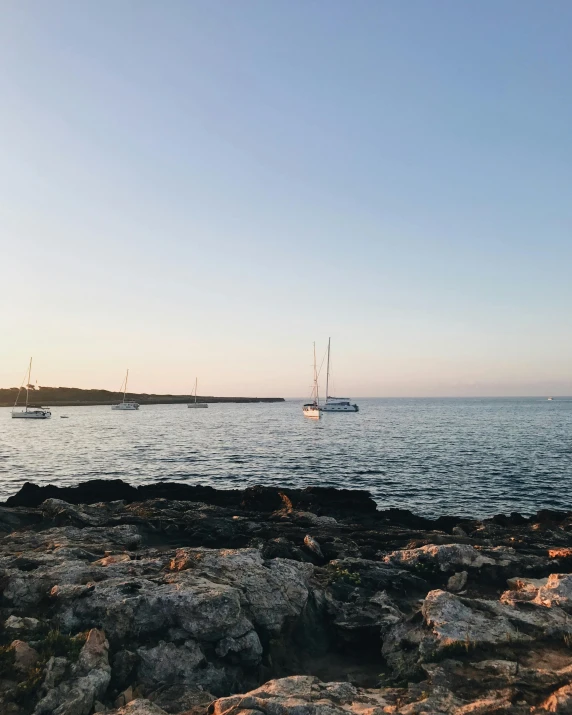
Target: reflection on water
(434, 456)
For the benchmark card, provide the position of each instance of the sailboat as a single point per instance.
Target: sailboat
(126, 404)
(336, 404)
(195, 403)
(312, 409)
(30, 413)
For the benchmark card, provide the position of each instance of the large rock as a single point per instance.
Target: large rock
(444, 557)
(127, 536)
(455, 621)
(16, 624)
(271, 591)
(30, 588)
(223, 601)
(198, 607)
(25, 657)
(168, 663)
(557, 591)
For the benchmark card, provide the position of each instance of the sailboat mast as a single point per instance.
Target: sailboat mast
(196, 381)
(316, 396)
(328, 372)
(125, 390)
(28, 383)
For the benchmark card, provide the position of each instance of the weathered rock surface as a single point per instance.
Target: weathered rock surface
(89, 679)
(139, 707)
(302, 695)
(445, 557)
(25, 657)
(179, 599)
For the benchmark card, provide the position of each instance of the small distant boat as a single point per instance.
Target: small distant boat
(63, 417)
(550, 399)
(30, 413)
(126, 404)
(195, 403)
(336, 404)
(312, 409)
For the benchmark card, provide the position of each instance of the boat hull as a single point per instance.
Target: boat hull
(32, 415)
(340, 408)
(312, 413)
(126, 406)
(193, 405)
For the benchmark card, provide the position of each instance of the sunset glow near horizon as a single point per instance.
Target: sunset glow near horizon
(204, 189)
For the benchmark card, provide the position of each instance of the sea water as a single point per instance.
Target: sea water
(473, 457)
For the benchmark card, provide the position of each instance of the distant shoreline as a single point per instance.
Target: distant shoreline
(76, 397)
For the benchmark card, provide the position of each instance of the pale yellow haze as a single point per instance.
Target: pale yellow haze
(228, 364)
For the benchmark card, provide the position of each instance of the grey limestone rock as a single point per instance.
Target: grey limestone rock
(303, 695)
(167, 663)
(16, 624)
(454, 621)
(447, 557)
(140, 706)
(25, 657)
(90, 677)
(457, 581)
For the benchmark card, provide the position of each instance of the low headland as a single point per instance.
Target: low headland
(70, 396)
(177, 598)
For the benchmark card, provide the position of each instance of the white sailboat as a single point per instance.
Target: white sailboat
(126, 404)
(30, 413)
(312, 409)
(336, 404)
(195, 403)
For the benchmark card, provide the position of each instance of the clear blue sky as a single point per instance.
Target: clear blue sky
(198, 187)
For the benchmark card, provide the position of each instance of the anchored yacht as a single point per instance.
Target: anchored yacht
(336, 404)
(30, 413)
(126, 404)
(195, 403)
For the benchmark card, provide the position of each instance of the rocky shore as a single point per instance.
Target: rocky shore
(177, 599)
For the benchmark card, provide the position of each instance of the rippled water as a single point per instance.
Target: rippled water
(434, 456)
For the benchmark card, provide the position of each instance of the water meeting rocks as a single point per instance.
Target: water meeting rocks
(179, 599)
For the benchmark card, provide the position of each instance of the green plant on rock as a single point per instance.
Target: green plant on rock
(54, 644)
(337, 573)
(60, 644)
(34, 679)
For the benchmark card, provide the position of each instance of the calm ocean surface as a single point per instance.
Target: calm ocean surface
(472, 457)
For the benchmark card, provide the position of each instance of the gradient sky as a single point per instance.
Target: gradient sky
(204, 188)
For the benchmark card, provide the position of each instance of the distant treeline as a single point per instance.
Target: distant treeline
(68, 396)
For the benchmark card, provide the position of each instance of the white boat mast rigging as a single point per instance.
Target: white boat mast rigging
(312, 409)
(335, 404)
(328, 372)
